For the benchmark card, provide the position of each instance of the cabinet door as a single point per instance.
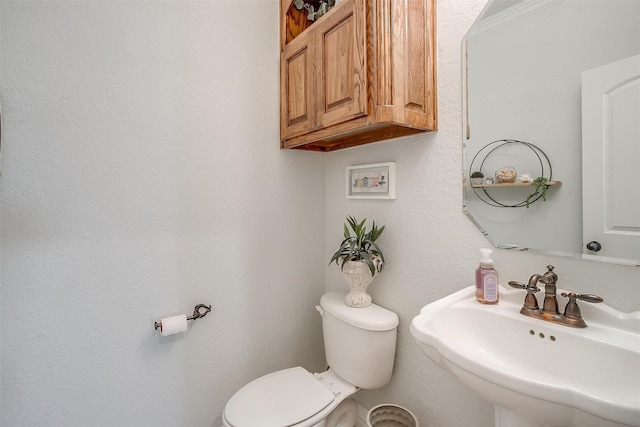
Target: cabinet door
(297, 88)
(341, 61)
(419, 106)
(404, 63)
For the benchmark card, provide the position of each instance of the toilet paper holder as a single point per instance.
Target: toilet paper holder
(199, 311)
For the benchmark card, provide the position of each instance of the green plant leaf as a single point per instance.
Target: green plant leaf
(367, 258)
(360, 245)
(541, 186)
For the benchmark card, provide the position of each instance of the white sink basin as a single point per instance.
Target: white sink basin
(537, 372)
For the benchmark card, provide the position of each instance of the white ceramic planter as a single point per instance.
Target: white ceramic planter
(358, 276)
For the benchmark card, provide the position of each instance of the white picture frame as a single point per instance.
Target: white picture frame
(373, 181)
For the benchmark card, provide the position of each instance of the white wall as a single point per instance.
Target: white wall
(432, 248)
(141, 176)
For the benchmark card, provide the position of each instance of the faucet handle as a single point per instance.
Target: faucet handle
(519, 285)
(584, 297)
(572, 311)
(530, 300)
(516, 284)
(590, 298)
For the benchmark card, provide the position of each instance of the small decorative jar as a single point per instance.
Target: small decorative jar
(506, 174)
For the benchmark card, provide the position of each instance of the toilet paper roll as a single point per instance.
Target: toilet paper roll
(173, 325)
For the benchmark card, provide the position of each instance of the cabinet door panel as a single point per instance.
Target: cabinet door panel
(297, 89)
(340, 45)
(418, 54)
(415, 65)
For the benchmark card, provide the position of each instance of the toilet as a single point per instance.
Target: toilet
(360, 346)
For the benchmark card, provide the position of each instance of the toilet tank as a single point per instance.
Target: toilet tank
(359, 343)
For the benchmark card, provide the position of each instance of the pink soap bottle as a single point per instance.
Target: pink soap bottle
(486, 279)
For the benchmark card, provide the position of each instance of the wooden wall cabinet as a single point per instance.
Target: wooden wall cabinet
(362, 73)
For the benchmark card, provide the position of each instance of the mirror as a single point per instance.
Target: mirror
(523, 64)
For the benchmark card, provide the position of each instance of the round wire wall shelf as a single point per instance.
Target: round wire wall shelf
(483, 190)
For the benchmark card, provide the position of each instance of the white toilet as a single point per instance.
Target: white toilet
(360, 345)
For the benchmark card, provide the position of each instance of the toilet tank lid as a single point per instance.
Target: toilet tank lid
(373, 318)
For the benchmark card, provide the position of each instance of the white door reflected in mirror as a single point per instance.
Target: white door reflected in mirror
(610, 159)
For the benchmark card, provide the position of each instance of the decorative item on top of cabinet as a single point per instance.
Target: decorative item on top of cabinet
(363, 72)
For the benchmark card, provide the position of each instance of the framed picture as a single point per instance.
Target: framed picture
(375, 181)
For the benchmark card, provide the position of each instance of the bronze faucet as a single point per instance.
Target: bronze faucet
(550, 313)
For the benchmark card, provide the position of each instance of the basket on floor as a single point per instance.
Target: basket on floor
(388, 415)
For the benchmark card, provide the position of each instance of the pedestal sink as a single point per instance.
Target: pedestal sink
(537, 373)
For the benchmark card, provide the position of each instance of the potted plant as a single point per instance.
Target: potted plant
(360, 259)
(476, 178)
(323, 6)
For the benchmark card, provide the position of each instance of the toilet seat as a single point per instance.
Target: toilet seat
(290, 397)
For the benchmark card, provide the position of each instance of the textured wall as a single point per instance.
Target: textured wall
(142, 176)
(432, 248)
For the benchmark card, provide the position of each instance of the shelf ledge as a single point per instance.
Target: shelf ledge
(514, 184)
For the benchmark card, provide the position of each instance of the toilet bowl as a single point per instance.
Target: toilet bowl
(291, 397)
(360, 349)
(344, 415)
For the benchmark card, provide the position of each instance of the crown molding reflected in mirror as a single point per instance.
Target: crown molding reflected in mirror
(523, 62)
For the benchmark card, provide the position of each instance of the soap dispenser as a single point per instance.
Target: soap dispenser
(486, 279)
